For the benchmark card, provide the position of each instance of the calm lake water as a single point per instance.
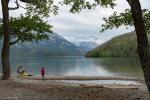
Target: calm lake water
(78, 66)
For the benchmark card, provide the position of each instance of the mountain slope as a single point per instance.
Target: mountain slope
(124, 45)
(56, 46)
(86, 45)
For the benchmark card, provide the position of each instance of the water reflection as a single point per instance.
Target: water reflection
(78, 66)
(124, 65)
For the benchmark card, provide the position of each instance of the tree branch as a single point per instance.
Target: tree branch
(14, 42)
(129, 2)
(17, 6)
(26, 1)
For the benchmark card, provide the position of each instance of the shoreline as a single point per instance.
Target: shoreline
(81, 78)
(90, 79)
(32, 89)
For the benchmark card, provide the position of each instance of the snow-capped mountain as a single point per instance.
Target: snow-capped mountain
(86, 45)
(56, 46)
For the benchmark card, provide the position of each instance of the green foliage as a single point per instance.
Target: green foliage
(27, 28)
(78, 5)
(121, 46)
(31, 27)
(116, 20)
(40, 7)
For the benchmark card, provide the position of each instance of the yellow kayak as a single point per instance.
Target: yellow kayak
(25, 74)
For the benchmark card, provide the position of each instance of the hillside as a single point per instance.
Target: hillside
(56, 46)
(121, 46)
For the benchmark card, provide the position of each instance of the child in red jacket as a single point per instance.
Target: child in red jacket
(42, 72)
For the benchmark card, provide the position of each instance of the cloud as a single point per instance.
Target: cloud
(85, 25)
(82, 26)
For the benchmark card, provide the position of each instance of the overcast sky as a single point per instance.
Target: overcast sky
(85, 26)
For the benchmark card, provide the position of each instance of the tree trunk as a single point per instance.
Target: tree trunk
(6, 41)
(142, 39)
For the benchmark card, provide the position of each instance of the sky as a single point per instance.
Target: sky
(85, 26)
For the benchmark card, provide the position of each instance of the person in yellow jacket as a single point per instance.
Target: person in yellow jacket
(22, 72)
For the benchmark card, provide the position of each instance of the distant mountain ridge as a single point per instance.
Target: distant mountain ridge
(56, 46)
(120, 46)
(86, 45)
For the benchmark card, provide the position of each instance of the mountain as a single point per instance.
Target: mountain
(123, 46)
(56, 46)
(86, 45)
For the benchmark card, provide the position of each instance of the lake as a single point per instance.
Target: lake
(78, 66)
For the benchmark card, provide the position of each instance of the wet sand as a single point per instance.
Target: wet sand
(33, 89)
